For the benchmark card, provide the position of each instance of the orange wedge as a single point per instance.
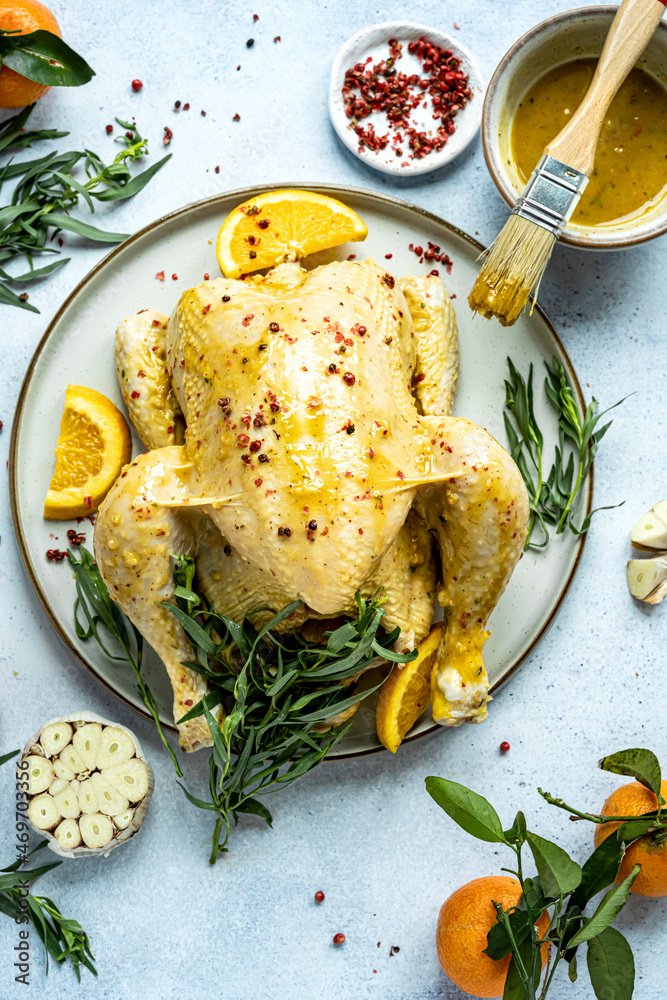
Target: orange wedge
(283, 225)
(407, 692)
(93, 447)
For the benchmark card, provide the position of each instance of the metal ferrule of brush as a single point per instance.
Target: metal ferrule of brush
(551, 195)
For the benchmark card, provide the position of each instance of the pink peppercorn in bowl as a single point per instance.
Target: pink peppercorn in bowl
(405, 98)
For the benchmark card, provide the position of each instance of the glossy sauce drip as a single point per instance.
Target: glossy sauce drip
(631, 159)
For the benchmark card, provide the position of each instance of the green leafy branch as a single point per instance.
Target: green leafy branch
(61, 936)
(93, 607)
(552, 498)
(279, 692)
(562, 888)
(47, 190)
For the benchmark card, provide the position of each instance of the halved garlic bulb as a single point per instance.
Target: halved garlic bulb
(99, 784)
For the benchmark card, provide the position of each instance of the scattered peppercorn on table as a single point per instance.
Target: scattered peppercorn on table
(341, 898)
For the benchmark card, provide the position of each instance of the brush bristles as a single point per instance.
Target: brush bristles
(511, 267)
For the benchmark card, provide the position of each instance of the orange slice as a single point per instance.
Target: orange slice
(93, 447)
(283, 225)
(407, 692)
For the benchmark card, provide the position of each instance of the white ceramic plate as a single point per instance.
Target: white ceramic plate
(372, 41)
(78, 347)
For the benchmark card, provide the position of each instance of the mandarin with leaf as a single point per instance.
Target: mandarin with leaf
(23, 16)
(634, 799)
(464, 922)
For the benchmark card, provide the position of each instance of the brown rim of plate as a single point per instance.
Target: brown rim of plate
(334, 190)
(567, 16)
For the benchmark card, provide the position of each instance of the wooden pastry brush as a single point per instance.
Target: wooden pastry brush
(514, 264)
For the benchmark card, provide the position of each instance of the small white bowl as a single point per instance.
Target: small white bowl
(574, 34)
(372, 41)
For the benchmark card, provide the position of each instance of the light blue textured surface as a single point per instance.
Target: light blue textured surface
(163, 924)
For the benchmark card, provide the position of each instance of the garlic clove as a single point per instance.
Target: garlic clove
(116, 747)
(68, 803)
(109, 800)
(43, 812)
(88, 797)
(96, 830)
(123, 820)
(62, 770)
(645, 577)
(58, 785)
(55, 737)
(87, 741)
(71, 758)
(68, 834)
(650, 531)
(39, 774)
(130, 778)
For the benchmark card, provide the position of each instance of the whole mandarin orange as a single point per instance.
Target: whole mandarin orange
(634, 799)
(464, 922)
(23, 16)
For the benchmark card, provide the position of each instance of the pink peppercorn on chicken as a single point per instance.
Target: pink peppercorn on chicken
(320, 458)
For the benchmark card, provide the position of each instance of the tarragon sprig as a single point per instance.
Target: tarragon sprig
(61, 936)
(49, 187)
(552, 498)
(279, 690)
(93, 607)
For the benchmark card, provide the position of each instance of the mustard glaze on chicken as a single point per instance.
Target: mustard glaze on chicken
(320, 459)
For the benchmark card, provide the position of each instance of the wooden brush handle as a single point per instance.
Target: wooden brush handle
(630, 32)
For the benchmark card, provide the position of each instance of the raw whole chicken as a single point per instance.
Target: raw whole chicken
(319, 458)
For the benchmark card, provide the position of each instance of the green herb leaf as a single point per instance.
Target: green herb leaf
(610, 906)
(572, 970)
(552, 496)
(558, 874)
(599, 871)
(611, 966)
(33, 55)
(62, 221)
(517, 832)
(9, 756)
(471, 811)
(637, 763)
(627, 832)
(47, 191)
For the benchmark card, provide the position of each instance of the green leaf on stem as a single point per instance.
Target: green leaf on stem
(637, 763)
(558, 873)
(45, 58)
(608, 909)
(471, 811)
(572, 970)
(611, 966)
(62, 221)
(634, 828)
(517, 832)
(598, 871)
